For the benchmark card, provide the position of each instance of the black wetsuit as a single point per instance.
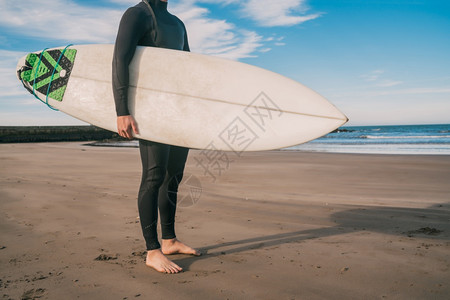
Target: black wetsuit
(162, 165)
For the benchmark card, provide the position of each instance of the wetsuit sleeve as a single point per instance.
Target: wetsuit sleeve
(186, 43)
(133, 25)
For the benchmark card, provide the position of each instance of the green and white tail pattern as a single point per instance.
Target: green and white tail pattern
(48, 72)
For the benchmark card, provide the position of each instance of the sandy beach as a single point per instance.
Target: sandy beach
(271, 225)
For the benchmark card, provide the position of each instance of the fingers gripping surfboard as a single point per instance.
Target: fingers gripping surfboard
(182, 98)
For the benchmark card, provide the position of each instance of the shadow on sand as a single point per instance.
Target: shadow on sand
(432, 222)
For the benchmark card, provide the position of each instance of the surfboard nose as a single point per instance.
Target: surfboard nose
(343, 117)
(337, 114)
(328, 109)
(333, 113)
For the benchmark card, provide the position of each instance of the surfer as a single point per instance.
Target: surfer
(150, 24)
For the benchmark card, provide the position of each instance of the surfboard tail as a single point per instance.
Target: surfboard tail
(46, 73)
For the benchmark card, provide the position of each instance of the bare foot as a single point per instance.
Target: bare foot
(174, 246)
(158, 261)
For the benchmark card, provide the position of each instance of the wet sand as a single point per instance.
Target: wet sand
(272, 225)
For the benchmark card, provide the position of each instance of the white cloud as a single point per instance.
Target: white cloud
(216, 37)
(250, 42)
(411, 91)
(70, 22)
(66, 21)
(263, 50)
(62, 20)
(376, 77)
(372, 76)
(389, 83)
(125, 2)
(270, 13)
(374, 92)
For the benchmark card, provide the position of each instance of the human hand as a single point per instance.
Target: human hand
(126, 125)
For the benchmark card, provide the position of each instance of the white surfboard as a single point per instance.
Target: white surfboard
(183, 98)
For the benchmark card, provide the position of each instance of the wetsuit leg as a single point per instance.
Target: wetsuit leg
(154, 157)
(168, 191)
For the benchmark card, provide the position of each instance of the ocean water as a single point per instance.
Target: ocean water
(400, 139)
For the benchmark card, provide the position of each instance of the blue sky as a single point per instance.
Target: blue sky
(380, 61)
